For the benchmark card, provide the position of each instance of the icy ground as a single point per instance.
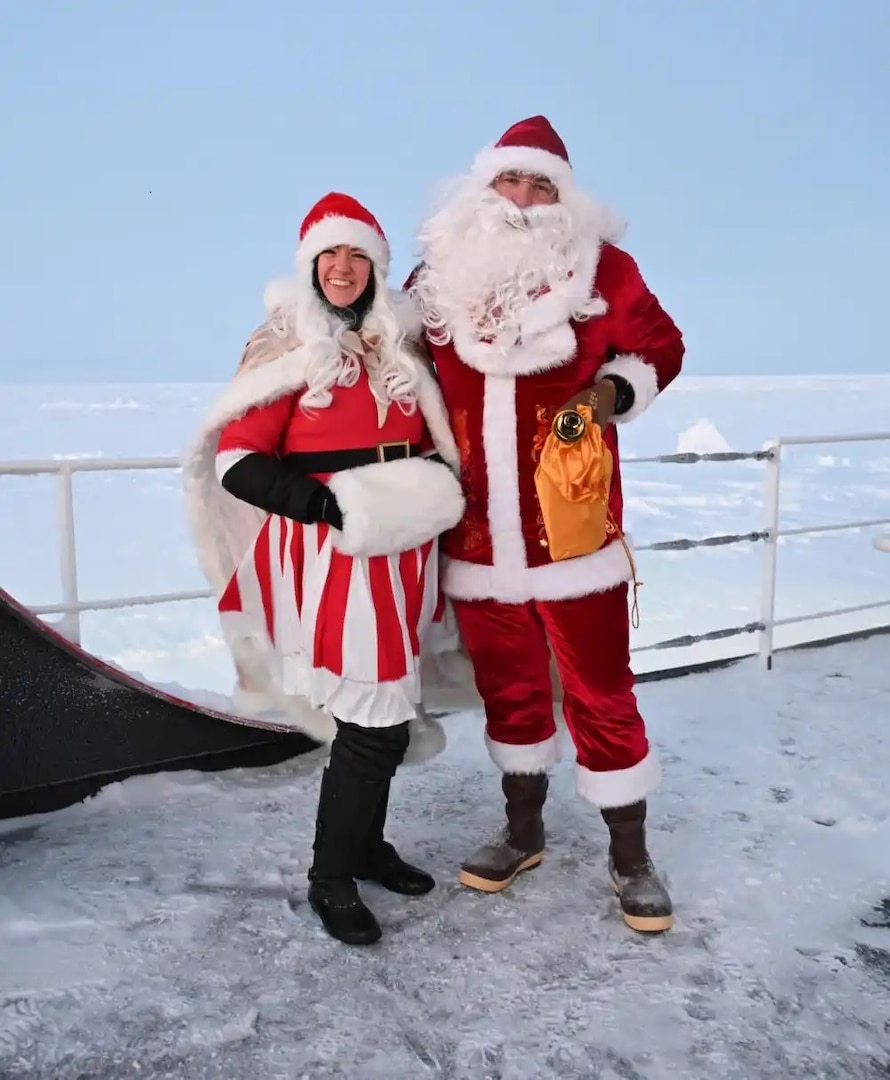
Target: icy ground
(148, 933)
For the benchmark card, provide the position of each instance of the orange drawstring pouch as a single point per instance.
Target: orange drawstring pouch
(572, 480)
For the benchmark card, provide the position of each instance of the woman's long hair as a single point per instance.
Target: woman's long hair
(330, 363)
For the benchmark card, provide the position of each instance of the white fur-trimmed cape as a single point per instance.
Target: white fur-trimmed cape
(223, 528)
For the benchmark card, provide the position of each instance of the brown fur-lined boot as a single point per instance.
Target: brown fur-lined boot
(495, 866)
(645, 903)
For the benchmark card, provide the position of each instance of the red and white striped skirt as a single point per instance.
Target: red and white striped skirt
(346, 631)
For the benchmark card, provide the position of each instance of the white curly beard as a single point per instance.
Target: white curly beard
(484, 259)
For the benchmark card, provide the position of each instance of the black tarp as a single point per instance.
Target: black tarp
(70, 723)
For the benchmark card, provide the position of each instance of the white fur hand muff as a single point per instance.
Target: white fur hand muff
(394, 506)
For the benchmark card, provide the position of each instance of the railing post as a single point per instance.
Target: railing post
(771, 489)
(70, 622)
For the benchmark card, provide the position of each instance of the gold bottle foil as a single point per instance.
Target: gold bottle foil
(568, 426)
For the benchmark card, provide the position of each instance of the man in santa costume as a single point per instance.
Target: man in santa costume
(529, 308)
(317, 488)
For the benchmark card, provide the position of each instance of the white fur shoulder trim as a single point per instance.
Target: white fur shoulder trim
(281, 294)
(407, 312)
(259, 385)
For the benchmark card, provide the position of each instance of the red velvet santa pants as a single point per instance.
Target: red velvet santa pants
(510, 648)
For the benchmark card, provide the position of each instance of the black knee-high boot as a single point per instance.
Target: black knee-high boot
(362, 763)
(385, 866)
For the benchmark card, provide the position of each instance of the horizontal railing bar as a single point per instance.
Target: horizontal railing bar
(123, 602)
(683, 641)
(57, 465)
(693, 639)
(691, 458)
(817, 440)
(67, 466)
(808, 529)
(686, 544)
(53, 466)
(831, 614)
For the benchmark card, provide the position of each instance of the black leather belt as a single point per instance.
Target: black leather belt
(331, 461)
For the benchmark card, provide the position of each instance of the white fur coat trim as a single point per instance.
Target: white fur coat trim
(546, 337)
(542, 352)
(511, 580)
(394, 506)
(641, 375)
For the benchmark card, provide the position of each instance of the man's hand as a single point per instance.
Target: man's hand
(600, 399)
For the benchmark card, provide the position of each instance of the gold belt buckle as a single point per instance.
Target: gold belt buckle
(384, 446)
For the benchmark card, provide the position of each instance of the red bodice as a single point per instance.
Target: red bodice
(348, 423)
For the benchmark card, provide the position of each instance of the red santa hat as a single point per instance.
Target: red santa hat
(531, 146)
(335, 219)
(340, 219)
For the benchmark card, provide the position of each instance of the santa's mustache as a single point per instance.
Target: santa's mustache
(522, 218)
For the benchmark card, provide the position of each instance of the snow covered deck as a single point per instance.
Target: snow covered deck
(148, 933)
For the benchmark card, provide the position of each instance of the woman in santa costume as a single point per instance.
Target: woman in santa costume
(317, 489)
(531, 308)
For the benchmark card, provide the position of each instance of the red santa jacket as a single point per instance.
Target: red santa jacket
(501, 407)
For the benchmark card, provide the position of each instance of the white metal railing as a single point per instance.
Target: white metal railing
(772, 502)
(71, 605)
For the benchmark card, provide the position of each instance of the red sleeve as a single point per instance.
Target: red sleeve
(259, 431)
(648, 348)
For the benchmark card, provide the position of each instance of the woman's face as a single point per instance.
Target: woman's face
(343, 273)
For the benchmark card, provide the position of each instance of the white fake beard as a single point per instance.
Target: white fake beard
(484, 259)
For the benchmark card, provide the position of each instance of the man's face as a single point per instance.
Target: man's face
(526, 189)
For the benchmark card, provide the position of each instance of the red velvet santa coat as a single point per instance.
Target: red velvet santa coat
(501, 404)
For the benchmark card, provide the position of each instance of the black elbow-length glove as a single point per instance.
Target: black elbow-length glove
(270, 484)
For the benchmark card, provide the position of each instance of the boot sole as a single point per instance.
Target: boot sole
(645, 924)
(486, 885)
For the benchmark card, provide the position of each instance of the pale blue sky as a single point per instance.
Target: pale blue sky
(158, 156)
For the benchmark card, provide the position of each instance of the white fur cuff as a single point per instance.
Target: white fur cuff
(641, 375)
(394, 506)
(620, 787)
(526, 759)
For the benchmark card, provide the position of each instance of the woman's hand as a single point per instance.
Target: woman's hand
(323, 506)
